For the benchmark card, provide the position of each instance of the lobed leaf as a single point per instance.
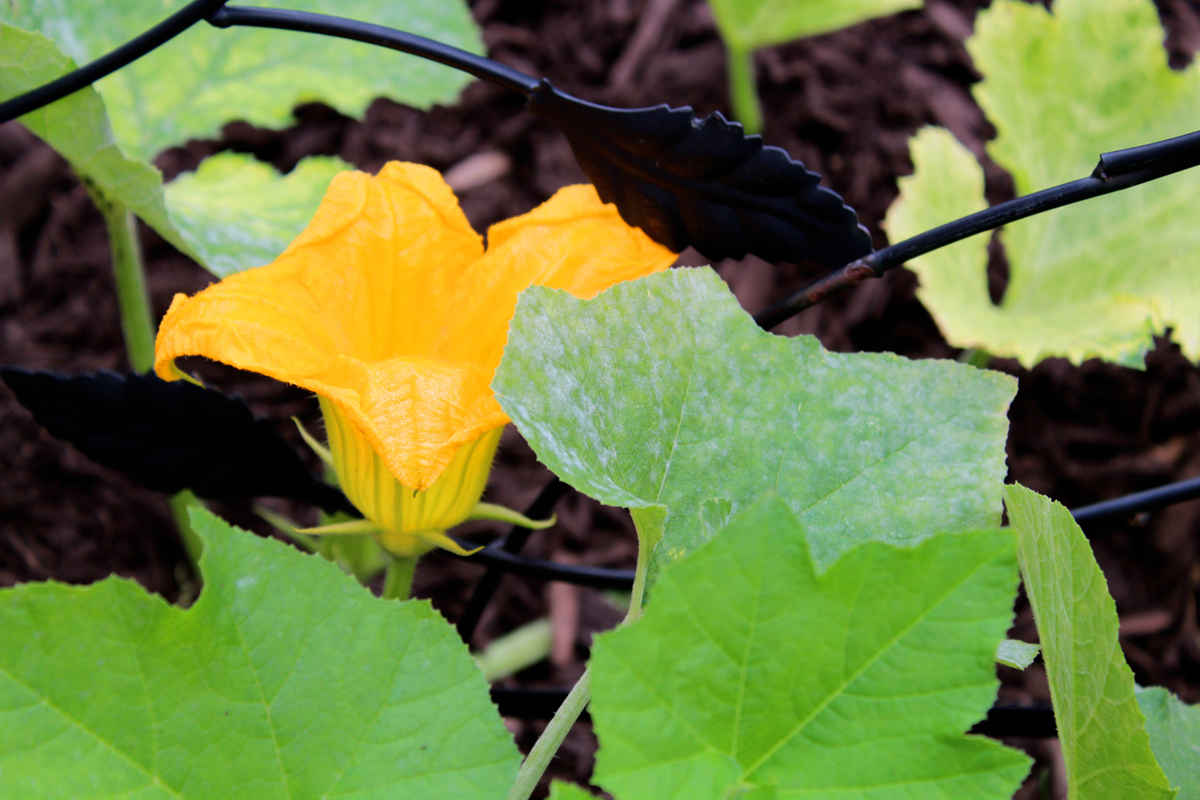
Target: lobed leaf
(1094, 280)
(237, 212)
(663, 396)
(78, 128)
(1104, 744)
(285, 680)
(753, 676)
(751, 24)
(206, 77)
(196, 83)
(1174, 730)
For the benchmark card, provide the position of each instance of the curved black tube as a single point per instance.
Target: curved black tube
(497, 557)
(1154, 161)
(539, 569)
(343, 28)
(512, 543)
(88, 74)
(1158, 497)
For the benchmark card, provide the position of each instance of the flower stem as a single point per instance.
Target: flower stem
(397, 584)
(548, 743)
(552, 737)
(743, 91)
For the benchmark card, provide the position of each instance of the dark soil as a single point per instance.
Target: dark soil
(845, 104)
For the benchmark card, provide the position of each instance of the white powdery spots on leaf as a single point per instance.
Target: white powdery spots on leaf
(678, 398)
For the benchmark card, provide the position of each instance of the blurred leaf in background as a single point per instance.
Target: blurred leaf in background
(237, 213)
(1098, 279)
(190, 87)
(747, 25)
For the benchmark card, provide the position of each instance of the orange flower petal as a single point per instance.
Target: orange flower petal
(572, 241)
(387, 306)
(372, 277)
(415, 412)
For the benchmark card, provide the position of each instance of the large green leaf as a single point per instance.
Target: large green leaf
(226, 218)
(77, 127)
(206, 77)
(752, 676)
(751, 24)
(1174, 730)
(286, 679)
(1104, 744)
(663, 396)
(1097, 279)
(238, 213)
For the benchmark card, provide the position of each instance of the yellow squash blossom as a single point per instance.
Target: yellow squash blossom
(388, 308)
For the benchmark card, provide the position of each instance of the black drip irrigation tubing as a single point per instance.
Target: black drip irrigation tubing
(1115, 171)
(512, 543)
(109, 63)
(1118, 170)
(498, 555)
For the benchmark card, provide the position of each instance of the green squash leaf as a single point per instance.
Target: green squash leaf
(1015, 654)
(77, 127)
(1104, 744)
(1095, 280)
(752, 676)
(663, 396)
(1174, 730)
(286, 679)
(196, 83)
(751, 24)
(206, 77)
(238, 213)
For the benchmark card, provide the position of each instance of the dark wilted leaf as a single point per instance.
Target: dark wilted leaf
(171, 436)
(702, 182)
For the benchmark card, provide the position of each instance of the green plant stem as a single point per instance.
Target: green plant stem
(397, 584)
(548, 743)
(191, 542)
(516, 650)
(639, 584)
(552, 737)
(137, 325)
(743, 89)
(132, 298)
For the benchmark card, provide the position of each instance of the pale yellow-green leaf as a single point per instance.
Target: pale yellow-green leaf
(1015, 654)
(1097, 279)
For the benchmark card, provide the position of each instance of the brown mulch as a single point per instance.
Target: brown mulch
(845, 104)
